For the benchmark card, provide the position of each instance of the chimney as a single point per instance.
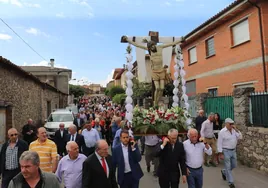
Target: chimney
(52, 63)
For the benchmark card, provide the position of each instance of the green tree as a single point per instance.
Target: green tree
(119, 98)
(75, 90)
(116, 90)
(141, 89)
(106, 92)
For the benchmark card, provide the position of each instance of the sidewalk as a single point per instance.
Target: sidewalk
(244, 178)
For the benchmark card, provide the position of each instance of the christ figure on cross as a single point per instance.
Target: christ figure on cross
(159, 72)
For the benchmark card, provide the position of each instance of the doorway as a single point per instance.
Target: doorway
(2, 126)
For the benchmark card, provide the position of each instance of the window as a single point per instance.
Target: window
(192, 55)
(210, 49)
(213, 92)
(244, 85)
(240, 32)
(191, 88)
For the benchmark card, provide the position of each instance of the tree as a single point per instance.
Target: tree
(141, 89)
(75, 90)
(119, 98)
(116, 90)
(106, 92)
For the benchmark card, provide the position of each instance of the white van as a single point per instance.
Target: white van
(55, 118)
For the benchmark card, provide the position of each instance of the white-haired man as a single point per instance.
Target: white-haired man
(194, 158)
(171, 155)
(70, 166)
(227, 142)
(74, 136)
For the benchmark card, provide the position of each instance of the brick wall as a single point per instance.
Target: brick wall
(227, 56)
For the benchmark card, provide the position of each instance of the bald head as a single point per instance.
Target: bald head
(30, 121)
(12, 131)
(42, 134)
(12, 135)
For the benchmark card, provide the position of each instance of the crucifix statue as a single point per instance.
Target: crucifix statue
(159, 70)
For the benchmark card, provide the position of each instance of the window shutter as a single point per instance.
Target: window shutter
(240, 32)
(192, 54)
(210, 47)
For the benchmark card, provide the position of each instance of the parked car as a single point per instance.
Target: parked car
(55, 118)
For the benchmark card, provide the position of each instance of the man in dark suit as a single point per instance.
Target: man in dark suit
(29, 132)
(74, 136)
(60, 139)
(126, 157)
(79, 122)
(98, 171)
(9, 156)
(171, 154)
(199, 120)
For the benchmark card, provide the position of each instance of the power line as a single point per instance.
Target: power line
(22, 39)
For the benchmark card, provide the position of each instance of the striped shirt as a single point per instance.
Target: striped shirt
(46, 152)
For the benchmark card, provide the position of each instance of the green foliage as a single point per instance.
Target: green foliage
(106, 92)
(119, 98)
(169, 89)
(141, 89)
(76, 90)
(116, 90)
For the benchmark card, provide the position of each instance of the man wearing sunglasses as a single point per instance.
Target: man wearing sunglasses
(227, 141)
(9, 156)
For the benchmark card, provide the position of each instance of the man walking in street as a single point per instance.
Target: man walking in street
(171, 155)
(74, 136)
(151, 143)
(9, 156)
(70, 166)
(47, 151)
(98, 171)
(194, 159)
(207, 135)
(126, 158)
(29, 132)
(91, 137)
(60, 139)
(227, 142)
(31, 175)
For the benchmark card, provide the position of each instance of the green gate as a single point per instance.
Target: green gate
(223, 105)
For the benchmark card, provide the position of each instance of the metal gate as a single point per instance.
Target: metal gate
(223, 105)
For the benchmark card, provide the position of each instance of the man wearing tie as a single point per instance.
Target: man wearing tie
(78, 138)
(171, 155)
(79, 122)
(98, 171)
(60, 139)
(126, 158)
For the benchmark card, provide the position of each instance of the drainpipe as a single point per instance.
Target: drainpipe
(262, 44)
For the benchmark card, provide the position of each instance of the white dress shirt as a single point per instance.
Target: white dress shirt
(73, 136)
(228, 140)
(107, 167)
(152, 140)
(126, 158)
(207, 129)
(195, 153)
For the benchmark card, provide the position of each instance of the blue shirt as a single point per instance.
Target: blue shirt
(71, 170)
(91, 137)
(116, 140)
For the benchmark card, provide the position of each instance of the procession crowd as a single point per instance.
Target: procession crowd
(79, 157)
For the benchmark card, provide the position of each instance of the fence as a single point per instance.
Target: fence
(259, 109)
(223, 105)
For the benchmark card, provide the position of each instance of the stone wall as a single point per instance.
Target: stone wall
(252, 151)
(27, 96)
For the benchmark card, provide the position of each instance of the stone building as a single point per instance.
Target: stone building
(24, 96)
(56, 77)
